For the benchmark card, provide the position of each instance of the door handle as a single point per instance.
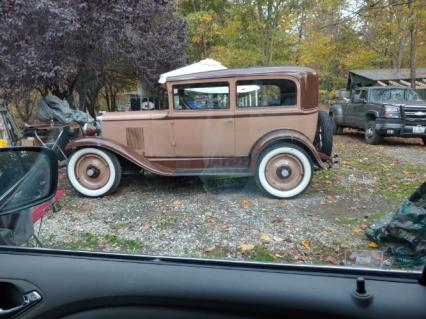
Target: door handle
(28, 299)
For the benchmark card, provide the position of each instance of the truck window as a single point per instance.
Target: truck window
(264, 93)
(201, 96)
(363, 95)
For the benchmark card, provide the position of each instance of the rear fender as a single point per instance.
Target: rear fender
(286, 136)
(121, 151)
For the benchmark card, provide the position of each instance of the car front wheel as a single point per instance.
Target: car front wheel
(94, 172)
(284, 171)
(371, 135)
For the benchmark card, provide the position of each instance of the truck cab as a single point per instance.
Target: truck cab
(381, 111)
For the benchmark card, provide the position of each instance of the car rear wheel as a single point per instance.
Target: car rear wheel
(424, 140)
(371, 135)
(324, 136)
(284, 171)
(337, 129)
(94, 172)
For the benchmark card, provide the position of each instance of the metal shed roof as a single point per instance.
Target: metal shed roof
(389, 74)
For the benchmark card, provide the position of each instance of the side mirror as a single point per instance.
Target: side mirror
(28, 177)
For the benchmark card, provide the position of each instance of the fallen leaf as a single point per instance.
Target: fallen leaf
(372, 244)
(209, 249)
(246, 247)
(331, 260)
(177, 202)
(357, 230)
(277, 239)
(264, 237)
(245, 203)
(331, 229)
(306, 244)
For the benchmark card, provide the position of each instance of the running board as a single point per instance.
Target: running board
(235, 172)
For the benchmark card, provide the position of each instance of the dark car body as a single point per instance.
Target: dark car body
(403, 115)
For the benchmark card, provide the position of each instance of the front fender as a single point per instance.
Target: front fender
(120, 150)
(289, 136)
(372, 113)
(337, 111)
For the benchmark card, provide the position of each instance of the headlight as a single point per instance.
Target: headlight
(392, 111)
(89, 129)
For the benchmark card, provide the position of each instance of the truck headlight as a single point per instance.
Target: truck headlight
(392, 111)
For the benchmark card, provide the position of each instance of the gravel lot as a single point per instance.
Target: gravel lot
(230, 218)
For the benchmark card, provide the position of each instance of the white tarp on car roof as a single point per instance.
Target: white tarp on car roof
(224, 89)
(201, 66)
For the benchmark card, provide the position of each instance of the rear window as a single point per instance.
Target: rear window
(266, 93)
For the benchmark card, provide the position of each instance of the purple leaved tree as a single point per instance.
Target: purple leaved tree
(64, 46)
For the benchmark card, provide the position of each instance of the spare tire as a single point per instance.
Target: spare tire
(324, 136)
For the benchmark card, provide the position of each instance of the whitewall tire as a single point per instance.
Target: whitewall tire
(284, 171)
(94, 172)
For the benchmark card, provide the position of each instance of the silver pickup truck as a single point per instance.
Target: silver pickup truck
(381, 111)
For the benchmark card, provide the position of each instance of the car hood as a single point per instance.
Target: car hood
(407, 103)
(134, 115)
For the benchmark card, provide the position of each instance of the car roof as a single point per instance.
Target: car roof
(294, 70)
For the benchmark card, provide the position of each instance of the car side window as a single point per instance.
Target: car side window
(266, 93)
(363, 95)
(201, 96)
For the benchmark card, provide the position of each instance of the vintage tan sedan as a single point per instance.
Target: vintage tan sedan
(262, 122)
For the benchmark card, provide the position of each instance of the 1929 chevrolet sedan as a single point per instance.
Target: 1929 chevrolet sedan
(255, 121)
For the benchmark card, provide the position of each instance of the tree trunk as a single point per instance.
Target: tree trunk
(413, 35)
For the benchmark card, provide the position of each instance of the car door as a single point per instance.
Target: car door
(203, 120)
(350, 113)
(360, 108)
(265, 104)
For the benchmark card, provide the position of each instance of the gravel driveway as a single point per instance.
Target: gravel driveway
(230, 218)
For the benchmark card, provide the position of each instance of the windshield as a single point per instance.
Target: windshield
(210, 129)
(385, 95)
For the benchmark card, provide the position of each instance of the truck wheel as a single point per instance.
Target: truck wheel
(94, 172)
(284, 171)
(424, 140)
(324, 135)
(337, 129)
(371, 135)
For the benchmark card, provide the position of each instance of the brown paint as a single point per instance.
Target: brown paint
(162, 141)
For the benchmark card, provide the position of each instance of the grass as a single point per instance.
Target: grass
(218, 252)
(348, 220)
(391, 179)
(262, 254)
(89, 241)
(376, 215)
(165, 223)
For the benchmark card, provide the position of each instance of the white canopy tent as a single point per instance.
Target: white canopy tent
(201, 66)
